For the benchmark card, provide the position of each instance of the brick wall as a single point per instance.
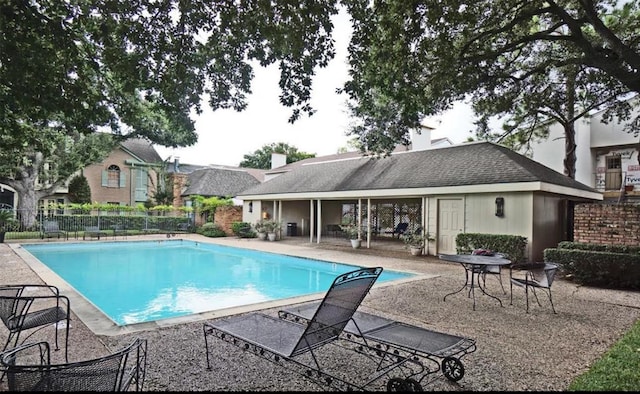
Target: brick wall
(607, 224)
(226, 215)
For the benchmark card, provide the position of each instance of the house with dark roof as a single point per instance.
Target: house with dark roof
(209, 181)
(477, 187)
(129, 175)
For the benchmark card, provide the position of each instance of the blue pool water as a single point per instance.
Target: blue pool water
(134, 282)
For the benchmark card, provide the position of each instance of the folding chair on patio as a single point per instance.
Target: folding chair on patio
(301, 347)
(399, 338)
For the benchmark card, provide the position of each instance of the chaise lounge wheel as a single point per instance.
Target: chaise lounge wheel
(397, 385)
(452, 369)
(413, 385)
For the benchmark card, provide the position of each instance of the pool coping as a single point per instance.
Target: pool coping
(100, 324)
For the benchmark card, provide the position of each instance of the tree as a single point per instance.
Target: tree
(79, 190)
(261, 158)
(413, 59)
(50, 160)
(139, 69)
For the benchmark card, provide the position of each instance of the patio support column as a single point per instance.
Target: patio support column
(359, 222)
(423, 221)
(319, 225)
(280, 217)
(368, 223)
(311, 221)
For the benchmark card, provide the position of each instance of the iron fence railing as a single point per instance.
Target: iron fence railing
(31, 225)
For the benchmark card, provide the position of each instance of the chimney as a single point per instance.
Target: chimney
(422, 140)
(278, 160)
(176, 164)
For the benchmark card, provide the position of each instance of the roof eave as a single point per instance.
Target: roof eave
(429, 191)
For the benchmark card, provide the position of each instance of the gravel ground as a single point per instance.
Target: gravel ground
(516, 351)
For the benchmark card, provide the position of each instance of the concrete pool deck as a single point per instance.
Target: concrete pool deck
(516, 351)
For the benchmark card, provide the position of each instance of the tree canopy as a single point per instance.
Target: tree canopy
(413, 59)
(261, 158)
(142, 67)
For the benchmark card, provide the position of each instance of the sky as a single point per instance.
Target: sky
(225, 136)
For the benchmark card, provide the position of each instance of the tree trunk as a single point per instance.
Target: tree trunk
(570, 150)
(569, 127)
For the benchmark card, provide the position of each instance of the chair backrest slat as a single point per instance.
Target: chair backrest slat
(337, 308)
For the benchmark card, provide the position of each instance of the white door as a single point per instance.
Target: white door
(449, 224)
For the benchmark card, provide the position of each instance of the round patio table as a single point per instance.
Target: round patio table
(474, 266)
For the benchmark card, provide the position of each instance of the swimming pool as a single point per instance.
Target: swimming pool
(143, 281)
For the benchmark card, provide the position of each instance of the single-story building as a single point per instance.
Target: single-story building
(478, 187)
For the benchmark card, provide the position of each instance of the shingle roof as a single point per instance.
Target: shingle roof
(219, 182)
(464, 164)
(142, 149)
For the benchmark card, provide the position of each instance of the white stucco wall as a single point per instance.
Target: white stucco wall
(551, 152)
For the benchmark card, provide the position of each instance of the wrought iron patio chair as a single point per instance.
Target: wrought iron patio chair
(50, 228)
(27, 307)
(298, 347)
(400, 338)
(493, 270)
(28, 368)
(536, 276)
(400, 229)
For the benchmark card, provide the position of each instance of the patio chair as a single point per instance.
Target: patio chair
(119, 229)
(28, 368)
(93, 232)
(536, 276)
(399, 338)
(494, 270)
(297, 347)
(26, 307)
(50, 228)
(399, 230)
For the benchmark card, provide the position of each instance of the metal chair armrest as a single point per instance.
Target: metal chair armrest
(8, 358)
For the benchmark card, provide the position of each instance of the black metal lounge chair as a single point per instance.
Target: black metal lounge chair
(400, 338)
(51, 228)
(26, 307)
(303, 348)
(28, 368)
(93, 232)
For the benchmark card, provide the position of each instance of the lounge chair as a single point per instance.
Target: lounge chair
(299, 347)
(50, 228)
(400, 338)
(28, 368)
(93, 232)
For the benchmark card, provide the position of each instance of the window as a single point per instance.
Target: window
(113, 177)
(141, 185)
(613, 174)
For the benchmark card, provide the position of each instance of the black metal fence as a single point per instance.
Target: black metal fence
(29, 225)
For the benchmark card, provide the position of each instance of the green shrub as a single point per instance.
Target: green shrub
(511, 245)
(243, 230)
(599, 247)
(211, 230)
(596, 268)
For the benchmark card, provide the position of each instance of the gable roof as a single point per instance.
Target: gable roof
(142, 149)
(468, 164)
(219, 182)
